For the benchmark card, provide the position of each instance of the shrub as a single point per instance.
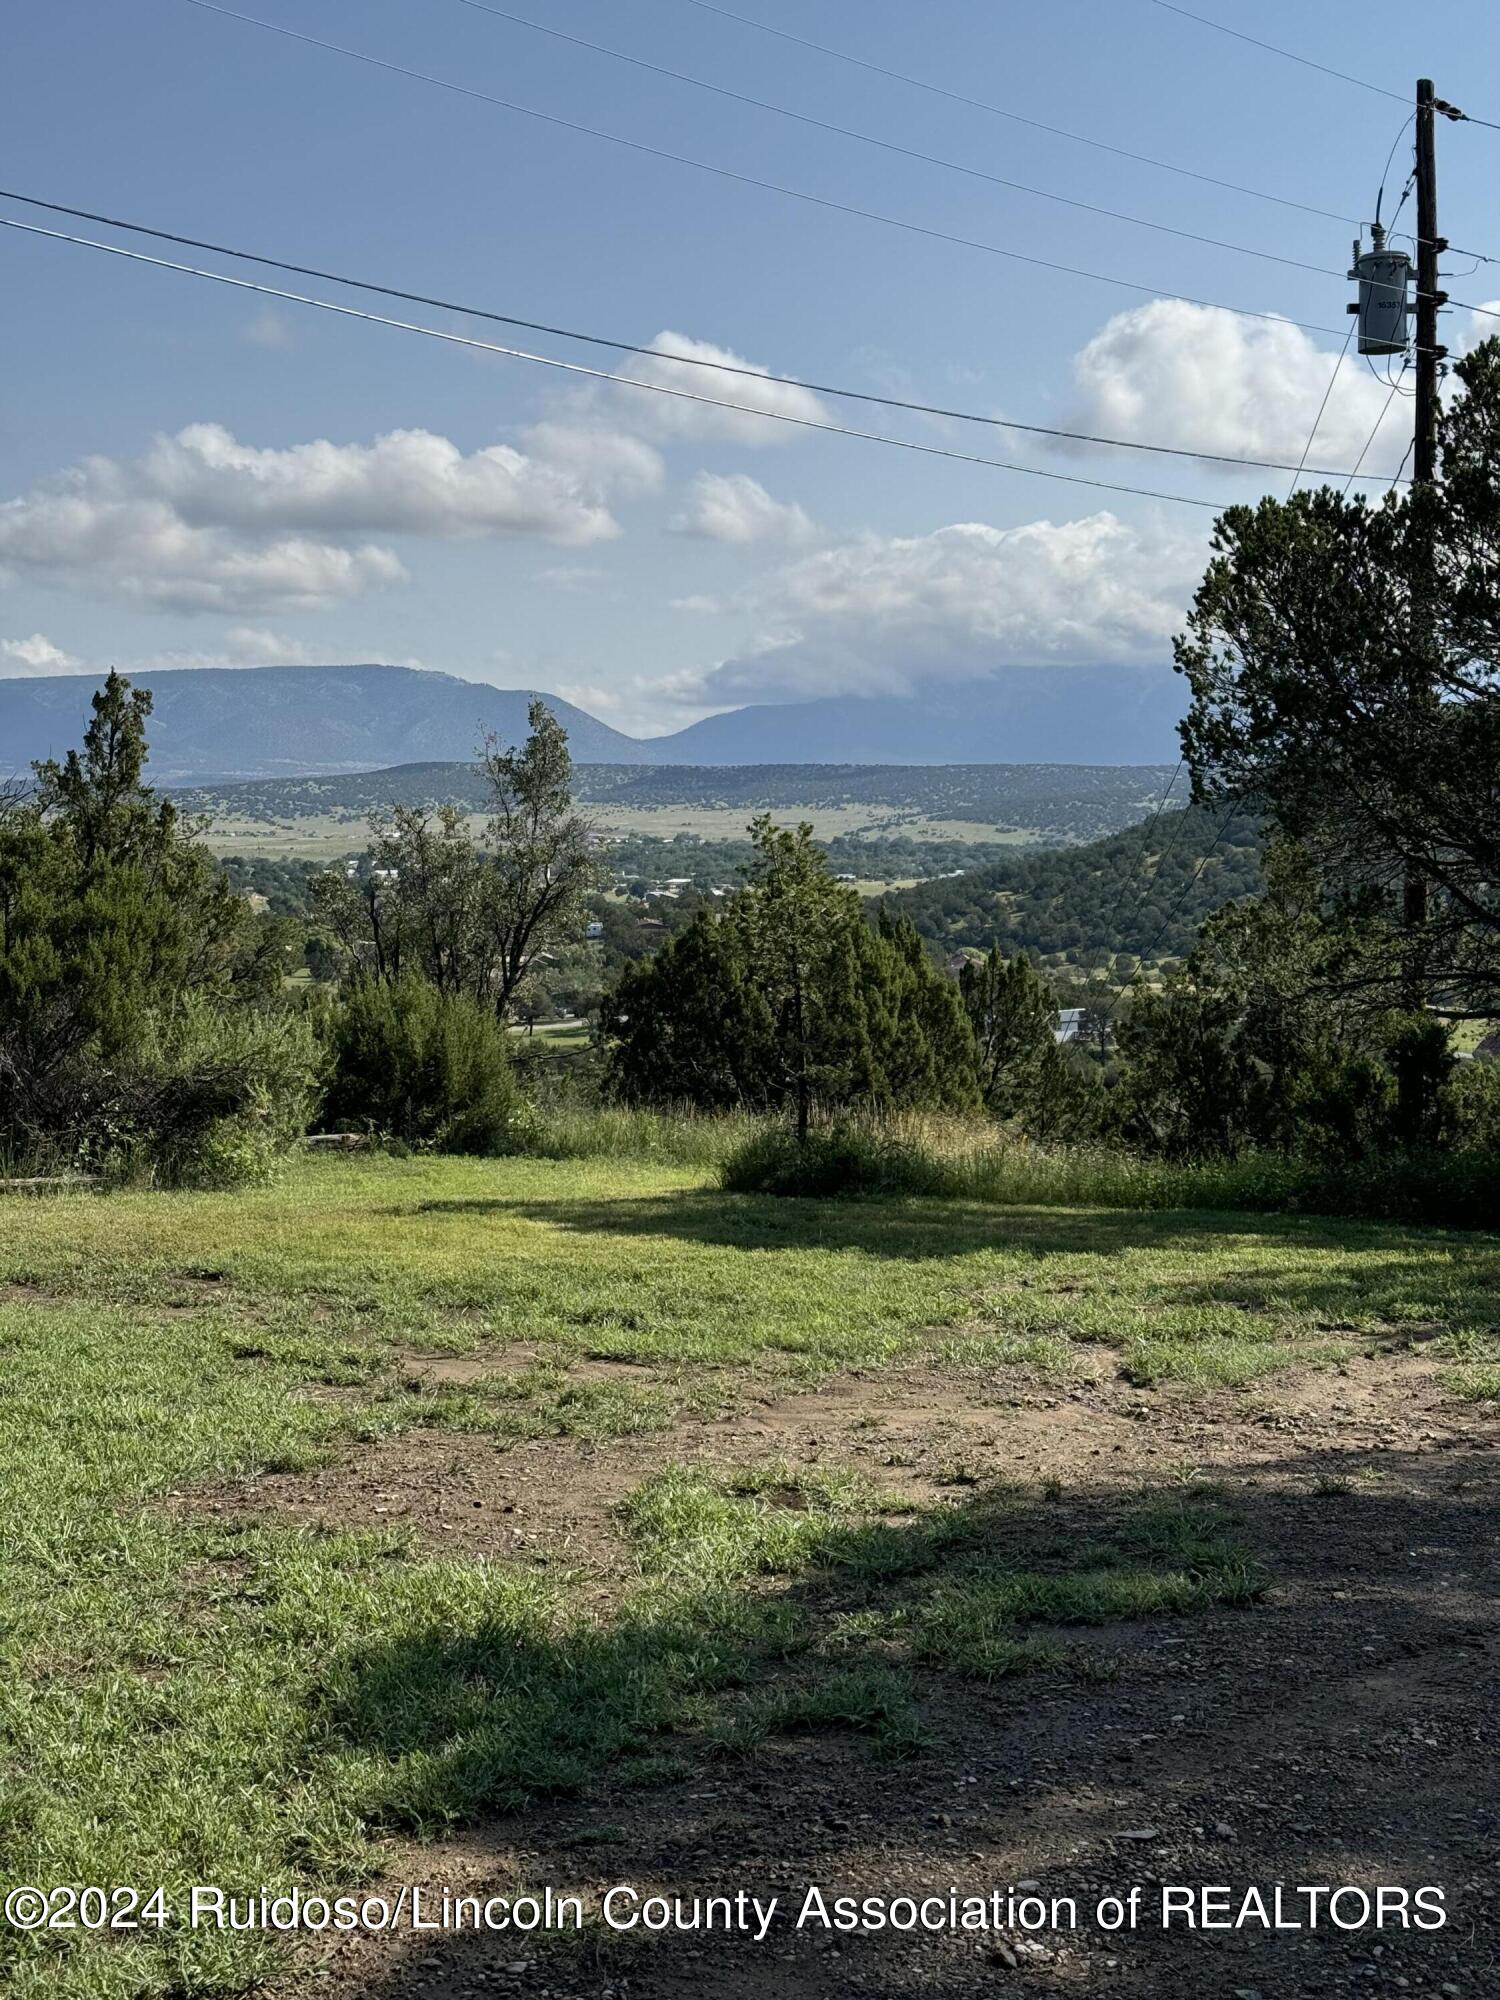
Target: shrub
(840, 1160)
(429, 1068)
(1470, 1104)
(220, 1094)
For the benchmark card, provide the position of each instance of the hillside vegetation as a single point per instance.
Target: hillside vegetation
(1143, 893)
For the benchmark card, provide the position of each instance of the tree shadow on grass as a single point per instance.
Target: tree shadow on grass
(500, 1718)
(915, 1227)
(1389, 1271)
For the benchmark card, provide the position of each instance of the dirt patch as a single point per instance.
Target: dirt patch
(1336, 1734)
(19, 1292)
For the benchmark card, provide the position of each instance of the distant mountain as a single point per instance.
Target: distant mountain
(1020, 715)
(263, 722)
(215, 724)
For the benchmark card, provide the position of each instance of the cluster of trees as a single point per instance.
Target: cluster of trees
(787, 998)
(1113, 900)
(1344, 664)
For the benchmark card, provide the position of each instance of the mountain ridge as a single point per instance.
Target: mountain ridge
(222, 724)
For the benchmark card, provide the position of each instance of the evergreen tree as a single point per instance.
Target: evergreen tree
(112, 916)
(787, 999)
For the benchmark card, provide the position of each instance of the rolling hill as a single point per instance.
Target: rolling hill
(1142, 893)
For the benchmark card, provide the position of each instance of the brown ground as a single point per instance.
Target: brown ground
(1338, 1733)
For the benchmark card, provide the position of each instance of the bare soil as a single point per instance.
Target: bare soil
(1340, 1732)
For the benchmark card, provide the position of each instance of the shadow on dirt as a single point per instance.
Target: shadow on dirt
(1334, 1733)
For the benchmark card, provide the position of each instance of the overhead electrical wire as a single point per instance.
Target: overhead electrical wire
(663, 354)
(602, 374)
(892, 145)
(1369, 441)
(1327, 393)
(751, 180)
(769, 186)
(1290, 55)
(1203, 20)
(1016, 117)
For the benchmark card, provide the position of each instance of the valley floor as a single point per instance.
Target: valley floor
(495, 1526)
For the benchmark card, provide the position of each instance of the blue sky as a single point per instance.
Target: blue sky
(190, 474)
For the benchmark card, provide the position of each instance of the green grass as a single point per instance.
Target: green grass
(186, 1698)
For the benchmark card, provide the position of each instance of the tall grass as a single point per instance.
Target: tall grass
(943, 1157)
(680, 1137)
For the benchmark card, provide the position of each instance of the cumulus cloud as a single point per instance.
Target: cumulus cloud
(202, 522)
(610, 460)
(1195, 376)
(759, 390)
(407, 482)
(733, 507)
(36, 655)
(1481, 325)
(883, 614)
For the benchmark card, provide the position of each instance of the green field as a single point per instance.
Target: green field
(196, 1693)
(328, 836)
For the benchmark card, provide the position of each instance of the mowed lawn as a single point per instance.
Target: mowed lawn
(187, 1699)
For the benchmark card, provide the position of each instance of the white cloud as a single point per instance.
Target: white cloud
(202, 522)
(611, 460)
(669, 417)
(269, 329)
(1195, 376)
(406, 482)
(36, 655)
(732, 507)
(884, 614)
(1482, 324)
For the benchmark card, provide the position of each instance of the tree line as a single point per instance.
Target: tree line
(1343, 742)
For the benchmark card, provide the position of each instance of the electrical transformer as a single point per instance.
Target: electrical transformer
(1383, 276)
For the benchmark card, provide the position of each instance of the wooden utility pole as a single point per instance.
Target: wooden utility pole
(1414, 1108)
(1424, 449)
(1429, 245)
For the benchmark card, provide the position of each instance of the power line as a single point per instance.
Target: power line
(601, 374)
(1374, 433)
(1290, 55)
(750, 180)
(1271, 48)
(1327, 393)
(1016, 117)
(892, 145)
(663, 354)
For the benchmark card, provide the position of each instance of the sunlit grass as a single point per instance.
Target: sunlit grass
(186, 1698)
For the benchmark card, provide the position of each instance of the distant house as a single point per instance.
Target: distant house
(650, 924)
(846, 875)
(385, 874)
(1069, 1024)
(593, 930)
